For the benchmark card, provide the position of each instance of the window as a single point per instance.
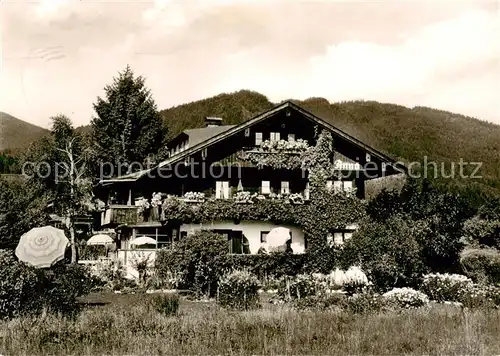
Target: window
(258, 138)
(275, 136)
(338, 238)
(222, 190)
(263, 236)
(291, 137)
(285, 187)
(266, 187)
(247, 132)
(342, 186)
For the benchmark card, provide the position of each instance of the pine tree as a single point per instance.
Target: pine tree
(128, 127)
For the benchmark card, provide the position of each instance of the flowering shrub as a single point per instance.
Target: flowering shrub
(143, 205)
(156, 200)
(445, 287)
(354, 280)
(296, 198)
(194, 196)
(406, 297)
(239, 290)
(480, 296)
(246, 197)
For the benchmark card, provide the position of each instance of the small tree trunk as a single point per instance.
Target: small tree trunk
(73, 244)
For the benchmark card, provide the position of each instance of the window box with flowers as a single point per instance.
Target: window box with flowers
(277, 154)
(194, 197)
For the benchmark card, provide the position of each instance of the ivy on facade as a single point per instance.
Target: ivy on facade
(326, 211)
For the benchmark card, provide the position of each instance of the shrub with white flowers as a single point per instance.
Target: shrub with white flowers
(296, 146)
(156, 200)
(198, 196)
(296, 198)
(143, 205)
(443, 287)
(245, 197)
(406, 297)
(354, 280)
(239, 290)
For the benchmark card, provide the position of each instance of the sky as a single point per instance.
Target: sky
(58, 55)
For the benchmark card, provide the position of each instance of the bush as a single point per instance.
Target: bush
(300, 286)
(445, 287)
(480, 296)
(19, 287)
(239, 290)
(198, 260)
(406, 298)
(321, 302)
(28, 290)
(363, 303)
(269, 265)
(388, 251)
(481, 264)
(165, 303)
(111, 275)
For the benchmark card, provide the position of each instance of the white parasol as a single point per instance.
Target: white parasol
(42, 246)
(277, 238)
(143, 240)
(100, 239)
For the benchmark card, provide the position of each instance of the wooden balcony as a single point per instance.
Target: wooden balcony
(128, 215)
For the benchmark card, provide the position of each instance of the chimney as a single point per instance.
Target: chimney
(211, 121)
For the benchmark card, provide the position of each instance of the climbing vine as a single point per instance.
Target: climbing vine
(327, 210)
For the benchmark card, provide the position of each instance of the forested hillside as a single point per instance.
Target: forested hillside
(16, 134)
(408, 134)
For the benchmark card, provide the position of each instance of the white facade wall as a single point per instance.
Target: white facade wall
(251, 230)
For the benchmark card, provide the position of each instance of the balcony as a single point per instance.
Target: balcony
(129, 215)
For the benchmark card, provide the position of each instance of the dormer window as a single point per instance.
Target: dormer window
(258, 138)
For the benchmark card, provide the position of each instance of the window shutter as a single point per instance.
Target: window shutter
(266, 187)
(218, 190)
(225, 189)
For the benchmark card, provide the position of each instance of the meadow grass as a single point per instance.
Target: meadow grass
(131, 328)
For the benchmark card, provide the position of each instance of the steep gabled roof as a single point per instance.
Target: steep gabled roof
(194, 148)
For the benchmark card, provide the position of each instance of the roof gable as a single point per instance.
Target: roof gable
(205, 138)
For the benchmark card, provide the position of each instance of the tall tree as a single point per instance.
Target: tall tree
(128, 127)
(59, 163)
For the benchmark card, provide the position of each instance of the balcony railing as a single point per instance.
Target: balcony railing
(129, 215)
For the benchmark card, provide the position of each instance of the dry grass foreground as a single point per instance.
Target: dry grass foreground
(127, 326)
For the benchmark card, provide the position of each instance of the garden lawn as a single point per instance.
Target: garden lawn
(126, 326)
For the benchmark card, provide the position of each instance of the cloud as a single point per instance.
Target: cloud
(58, 55)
